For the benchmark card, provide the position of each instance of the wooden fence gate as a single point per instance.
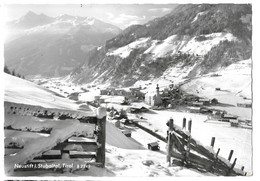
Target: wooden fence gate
(188, 152)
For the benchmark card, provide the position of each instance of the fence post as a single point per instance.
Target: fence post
(184, 123)
(234, 163)
(230, 155)
(242, 168)
(212, 169)
(232, 166)
(189, 125)
(101, 135)
(170, 142)
(188, 142)
(212, 142)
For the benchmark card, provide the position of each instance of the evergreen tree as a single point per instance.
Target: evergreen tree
(13, 72)
(6, 70)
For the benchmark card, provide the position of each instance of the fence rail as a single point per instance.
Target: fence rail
(188, 152)
(90, 146)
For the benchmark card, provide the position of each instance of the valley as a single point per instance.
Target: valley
(169, 97)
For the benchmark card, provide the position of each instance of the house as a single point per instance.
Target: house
(96, 98)
(224, 120)
(112, 92)
(154, 146)
(214, 101)
(101, 100)
(229, 116)
(234, 123)
(153, 99)
(121, 92)
(205, 110)
(103, 92)
(127, 133)
(205, 101)
(196, 104)
(138, 110)
(245, 105)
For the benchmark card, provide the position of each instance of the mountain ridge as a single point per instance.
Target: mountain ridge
(204, 37)
(56, 46)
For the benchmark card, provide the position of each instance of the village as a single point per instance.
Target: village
(138, 100)
(130, 109)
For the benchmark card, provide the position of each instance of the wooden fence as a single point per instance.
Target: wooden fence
(91, 149)
(188, 152)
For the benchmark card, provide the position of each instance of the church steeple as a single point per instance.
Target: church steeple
(157, 90)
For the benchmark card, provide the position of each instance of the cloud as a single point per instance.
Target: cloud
(159, 9)
(126, 19)
(110, 15)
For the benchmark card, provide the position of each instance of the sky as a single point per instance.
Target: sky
(121, 15)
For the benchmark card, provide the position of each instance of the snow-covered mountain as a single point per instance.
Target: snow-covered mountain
(38, 44)
(192, 39)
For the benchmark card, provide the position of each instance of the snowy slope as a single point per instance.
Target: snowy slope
(235, 79)
(22, 91)
(173, 44)
(125, 51)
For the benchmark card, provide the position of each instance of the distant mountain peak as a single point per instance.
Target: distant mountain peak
(30, 13)
(31, 19)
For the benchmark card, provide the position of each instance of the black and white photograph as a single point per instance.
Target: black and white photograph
(135, 90)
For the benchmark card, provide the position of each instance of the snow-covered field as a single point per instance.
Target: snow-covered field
(235, 87)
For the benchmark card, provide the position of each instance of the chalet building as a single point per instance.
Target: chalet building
(153, 99)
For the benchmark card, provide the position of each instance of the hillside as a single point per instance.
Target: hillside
(124, 156)
(198, 38)
(41, 45)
